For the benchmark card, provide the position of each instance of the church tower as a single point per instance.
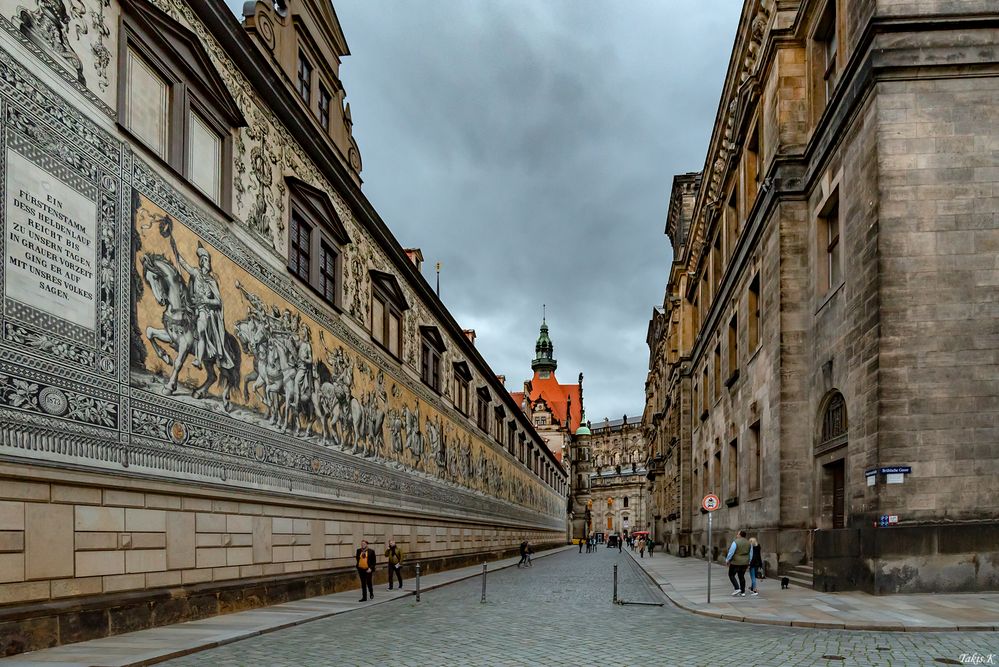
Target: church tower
(544, 363)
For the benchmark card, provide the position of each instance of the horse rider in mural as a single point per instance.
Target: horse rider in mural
(206, 297)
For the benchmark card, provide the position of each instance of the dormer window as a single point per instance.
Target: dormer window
(431, 349)
(304, 82)
(173, 102)
(315, 239)
(482, 409)
(387, 307)
(462, 378)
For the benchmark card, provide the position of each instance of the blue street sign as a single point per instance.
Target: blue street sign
(894, 470)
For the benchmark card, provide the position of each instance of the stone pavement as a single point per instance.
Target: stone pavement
(157, 644)
(684, 580)
(559, 612)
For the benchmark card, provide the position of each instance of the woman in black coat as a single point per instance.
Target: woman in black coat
(755, 564)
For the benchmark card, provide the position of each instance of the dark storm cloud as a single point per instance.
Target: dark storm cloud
(529, 145)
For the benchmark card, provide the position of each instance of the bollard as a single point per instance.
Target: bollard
(417, 582)
(483, 584)
(615, 584)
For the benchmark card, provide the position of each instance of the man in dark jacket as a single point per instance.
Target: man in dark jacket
(523, 553)
(365, 560)
(394, 556)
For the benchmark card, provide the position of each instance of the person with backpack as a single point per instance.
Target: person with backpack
(394, 556)
(364, 557)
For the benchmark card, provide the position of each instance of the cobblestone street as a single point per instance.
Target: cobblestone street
(559, 612)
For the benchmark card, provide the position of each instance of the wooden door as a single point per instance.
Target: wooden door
(839, 495)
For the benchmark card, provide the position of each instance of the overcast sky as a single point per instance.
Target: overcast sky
(529, 146)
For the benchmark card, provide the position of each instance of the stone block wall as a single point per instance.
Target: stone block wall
(939, 241)
(82, 542)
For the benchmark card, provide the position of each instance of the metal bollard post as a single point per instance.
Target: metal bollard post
(417, 582)
(483, 584)
(615, 584)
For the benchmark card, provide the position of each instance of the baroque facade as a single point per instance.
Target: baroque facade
(617, 485)
(824, 356)
(217, 364)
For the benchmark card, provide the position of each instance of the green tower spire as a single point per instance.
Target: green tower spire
(544, 350)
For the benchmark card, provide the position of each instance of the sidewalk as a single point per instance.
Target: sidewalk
(684, 580)
(147, 647)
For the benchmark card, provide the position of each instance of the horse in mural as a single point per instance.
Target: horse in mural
(285, 377)
(180, 331)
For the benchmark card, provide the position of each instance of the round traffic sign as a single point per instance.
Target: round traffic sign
(710, 502)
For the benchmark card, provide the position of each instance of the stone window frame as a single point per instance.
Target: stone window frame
(829, 250)
(386, 291)
(311, 208)
(482, 400)
(833, 423)
(303, 84)
(499, 422)
(733, 350)
(754, 332)
(431, 354)
(824, 75)
(324, 105)
(756, 465)
(175, 54)
(462, 387)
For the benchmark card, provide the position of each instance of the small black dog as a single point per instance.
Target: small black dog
(784, 582)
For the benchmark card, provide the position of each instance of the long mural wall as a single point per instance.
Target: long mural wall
(141, 336)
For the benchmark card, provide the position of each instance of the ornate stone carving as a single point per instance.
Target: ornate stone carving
(47, 27)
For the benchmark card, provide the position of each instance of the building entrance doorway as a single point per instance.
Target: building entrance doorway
(836, 479)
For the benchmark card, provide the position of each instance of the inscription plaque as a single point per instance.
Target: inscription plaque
(50, 243)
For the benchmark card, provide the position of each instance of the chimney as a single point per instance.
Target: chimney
(470, 335)
(502, 379)
(416, 257)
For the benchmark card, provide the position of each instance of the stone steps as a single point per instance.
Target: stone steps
(802, 575)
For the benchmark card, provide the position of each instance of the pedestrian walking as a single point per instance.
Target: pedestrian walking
(364, 557)
(641, 547)
(580, 545)
(620, 544)
(652, 547)
(755, 564)
(393, 555)
(523, 553)
(737, 560)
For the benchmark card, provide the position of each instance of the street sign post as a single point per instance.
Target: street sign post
(710, 503)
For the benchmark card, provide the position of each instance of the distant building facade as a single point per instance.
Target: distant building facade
(617, 477)
(824, 359)
(217, 364)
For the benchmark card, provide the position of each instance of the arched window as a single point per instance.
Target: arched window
(626, 501)
(834, 423)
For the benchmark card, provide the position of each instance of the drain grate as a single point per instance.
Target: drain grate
(948, 661)
(883, 648)
(833, 657)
